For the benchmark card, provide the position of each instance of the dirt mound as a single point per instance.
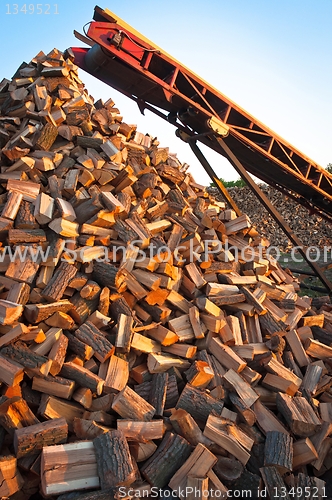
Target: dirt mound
(312, 230)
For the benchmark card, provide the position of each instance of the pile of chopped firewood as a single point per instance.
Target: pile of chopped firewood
(312, 229)
(147, 340)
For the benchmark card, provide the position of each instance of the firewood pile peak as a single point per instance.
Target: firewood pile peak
(146, 338)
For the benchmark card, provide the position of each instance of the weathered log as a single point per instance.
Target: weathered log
(199, 404)
(228, 469)
(167, 459)
(114, 462)
(84, 351)
(81, 308)
(105, 274)
(57, 354)
(35, 313)
(33, 438)
(92, 336)
(83, 377)
(157, 396)
(27, 358)
(274, 483)
(60, 279)
(279, 451)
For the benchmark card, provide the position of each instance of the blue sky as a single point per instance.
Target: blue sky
(272, 57)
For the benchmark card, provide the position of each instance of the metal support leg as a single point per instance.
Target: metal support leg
(272, 211)
(209, 170)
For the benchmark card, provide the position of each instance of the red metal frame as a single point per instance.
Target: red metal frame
(158, 82)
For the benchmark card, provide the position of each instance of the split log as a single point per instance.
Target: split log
(144, 344)
(266, 420)
(69, 467)
(84, 351)
(301, 417)
(197, 464)
(273, 366)
(15, 414)
(130, 405)
(317, 350)
(158, 363)
(52, 335)
(12, 205)
(226, 356)
(35, 313)
(88, 429)
(297, 348)
(199, 374)
(221, 433)
(55, 386)
(142, 451)
(246, 414)
(311, 378)
(9, 312)
(164, 336)
(11, 372)
(243, 389)
(184, 425)
(10, 477)
(51, 407)
(196, 486)
(82, 308)
(304, 453)
(216, 486)
(141, 431)
(83, 396)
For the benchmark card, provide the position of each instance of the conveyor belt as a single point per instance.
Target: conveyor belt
(126, 60)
